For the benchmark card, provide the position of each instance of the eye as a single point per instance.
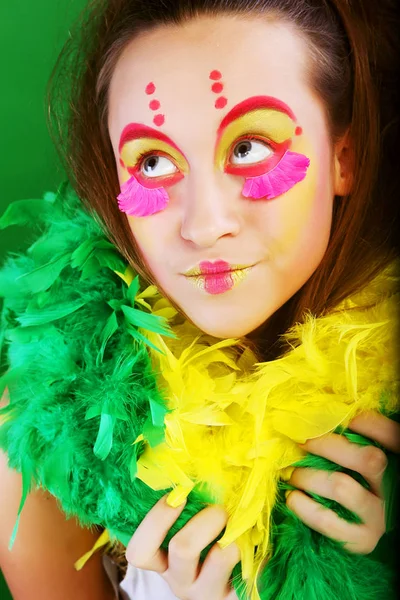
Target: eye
(247, 152)
(157, 166)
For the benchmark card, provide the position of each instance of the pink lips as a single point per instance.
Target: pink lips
(217, 277)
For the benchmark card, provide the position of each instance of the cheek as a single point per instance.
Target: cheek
(299, 222)
(145, 233)
(153, 237)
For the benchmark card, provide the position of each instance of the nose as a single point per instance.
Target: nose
(210, 211)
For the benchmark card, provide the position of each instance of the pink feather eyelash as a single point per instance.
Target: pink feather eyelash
(290, 170)
(139, 201)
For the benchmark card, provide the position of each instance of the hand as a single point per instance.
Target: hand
(180, 565)
(369, 505)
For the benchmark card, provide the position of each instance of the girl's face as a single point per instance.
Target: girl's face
(226, 167)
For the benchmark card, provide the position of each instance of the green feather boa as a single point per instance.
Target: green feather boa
(82, 390)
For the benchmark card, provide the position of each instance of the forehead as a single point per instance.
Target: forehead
(253, 56)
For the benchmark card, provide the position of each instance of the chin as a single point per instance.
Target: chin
(225, 330)
(227, 320)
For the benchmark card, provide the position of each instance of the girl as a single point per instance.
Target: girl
(240, 155)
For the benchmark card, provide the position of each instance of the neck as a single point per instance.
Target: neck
(266, 340)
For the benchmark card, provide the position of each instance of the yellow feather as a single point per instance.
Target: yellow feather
(128, 276)
(234, 425)
(100, 542)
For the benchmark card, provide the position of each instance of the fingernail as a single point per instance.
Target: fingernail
(174, 502)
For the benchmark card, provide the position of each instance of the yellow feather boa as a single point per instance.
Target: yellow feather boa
(235, 425)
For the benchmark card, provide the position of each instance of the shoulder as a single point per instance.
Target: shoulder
(41, 562)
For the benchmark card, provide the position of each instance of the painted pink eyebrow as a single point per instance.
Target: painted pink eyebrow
(135, 131)
(251, 104)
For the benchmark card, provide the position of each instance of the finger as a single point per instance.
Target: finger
(339, 487)
(215, 574)
(378, 428)
(144, 550)
(357, 538)
(185, 547)
(369, 461)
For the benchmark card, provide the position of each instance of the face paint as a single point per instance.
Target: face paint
(257, 135)
(221, 102)
(159, 120)
(150, 88)
(139, 201)
(154, 104)
(290, 170)
(154, 163)
(217, 87)
(215, 75)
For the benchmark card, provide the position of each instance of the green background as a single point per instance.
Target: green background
(31, 35)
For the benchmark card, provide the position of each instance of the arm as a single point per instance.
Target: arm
(41, 563)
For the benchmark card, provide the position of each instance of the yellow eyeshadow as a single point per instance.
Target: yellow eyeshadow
(133, 150)
(267, 122)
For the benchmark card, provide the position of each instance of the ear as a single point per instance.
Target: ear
(343, 165)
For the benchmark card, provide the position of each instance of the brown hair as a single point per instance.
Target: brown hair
(352, 52)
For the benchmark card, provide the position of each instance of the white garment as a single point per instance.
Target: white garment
(139, 584)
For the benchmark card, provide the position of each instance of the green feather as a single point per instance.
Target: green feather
(158, 412)
(138, 337)
(26, 474)
(43, 277)
(34, 316)
(153, 434)
(104, 440)
(391, 491)
(82, 390)
(133, 290)
(24, 212)
(154, 323)
(109, 329)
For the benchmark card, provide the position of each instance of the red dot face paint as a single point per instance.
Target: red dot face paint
(221, 102)
(298, 131)
(154, 105)
(150, 88)
(215, 75)
(159, 120)
(217, 87)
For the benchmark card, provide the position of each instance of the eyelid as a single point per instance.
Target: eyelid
(242, 168)
(134, 150)
(142, 158)
(252, 138)
(266, 123)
